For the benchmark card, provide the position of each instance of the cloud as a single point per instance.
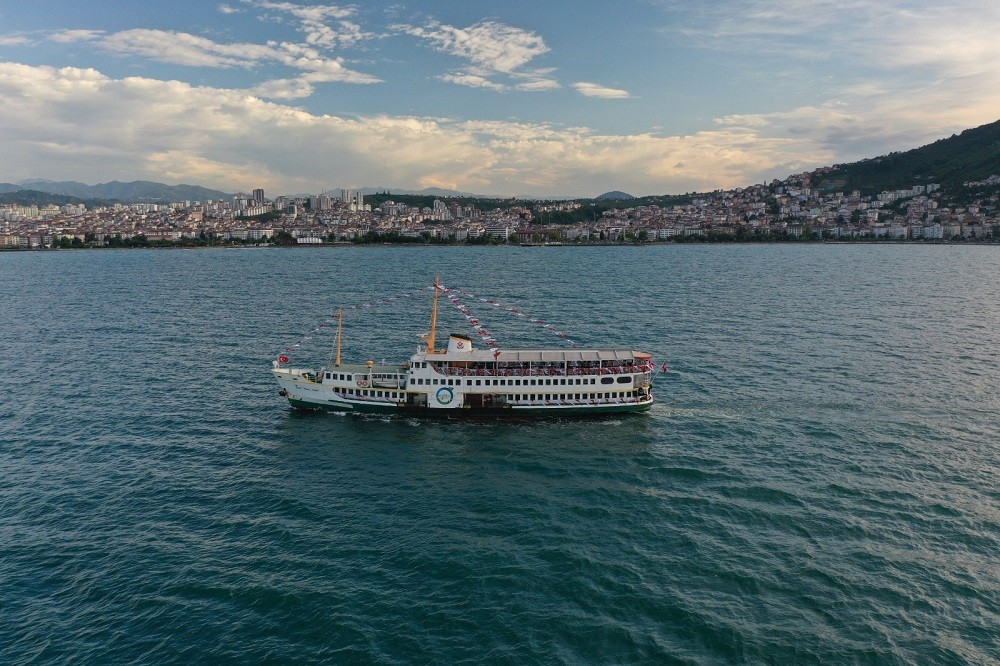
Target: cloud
(885, 34)
(181, 48)
(315, 21)
(489, 44)
(80, 124)
(195, 51)
(537, 85)
(490, 48)
(15, 40)
(595, 90)
(873, 75)
(472, 81)
(70, 36)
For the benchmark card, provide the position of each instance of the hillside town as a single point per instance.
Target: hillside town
(792, 209)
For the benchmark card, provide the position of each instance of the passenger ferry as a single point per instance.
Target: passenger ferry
(460, 380)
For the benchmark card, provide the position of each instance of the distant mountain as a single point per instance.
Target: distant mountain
(972, 155)
(614, 196)
(135, 191)
(24, 197)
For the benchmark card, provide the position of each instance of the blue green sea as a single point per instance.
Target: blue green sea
(816, 483)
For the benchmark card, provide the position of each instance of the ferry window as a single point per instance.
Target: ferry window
(607, 380)
(503, 382)
(625, 380)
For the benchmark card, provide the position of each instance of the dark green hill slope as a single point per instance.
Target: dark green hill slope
(972, 155)
(34, 197)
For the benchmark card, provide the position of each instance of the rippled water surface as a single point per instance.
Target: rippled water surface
(818, 481)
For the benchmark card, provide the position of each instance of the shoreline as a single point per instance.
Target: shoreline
(935, 242)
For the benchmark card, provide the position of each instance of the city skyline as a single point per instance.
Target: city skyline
(562, 99)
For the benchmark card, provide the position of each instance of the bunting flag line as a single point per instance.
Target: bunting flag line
(487, 337)
(517, 312)
(453, 296)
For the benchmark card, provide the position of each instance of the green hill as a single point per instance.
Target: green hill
(34, 197)
(972, 155)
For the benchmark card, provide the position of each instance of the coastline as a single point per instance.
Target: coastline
(180, 246)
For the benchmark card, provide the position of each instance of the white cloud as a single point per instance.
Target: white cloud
(472, 81)
(294, 88)
(491, 48)
(70, 36)
(496, 46)
(896, 74)
(538, 84)
(15, 40)
(181, 48)
(82, 125)
(195, 51)
(315, 21)
(595, 90)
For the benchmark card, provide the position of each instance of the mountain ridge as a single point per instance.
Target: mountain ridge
(135, 191)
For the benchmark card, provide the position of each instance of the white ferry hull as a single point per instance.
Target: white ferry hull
(460, 385)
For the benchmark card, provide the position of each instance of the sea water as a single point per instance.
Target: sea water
(817, 481)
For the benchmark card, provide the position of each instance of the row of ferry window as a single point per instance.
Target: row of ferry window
(572, 381)
(531, 397)
(372, 393)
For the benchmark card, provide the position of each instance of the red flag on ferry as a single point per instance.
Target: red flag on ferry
(496, 354)
(282, 359)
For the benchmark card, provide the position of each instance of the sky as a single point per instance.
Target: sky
(560, 98)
